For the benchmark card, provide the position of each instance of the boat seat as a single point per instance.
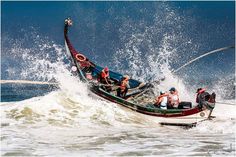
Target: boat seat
(185, 105)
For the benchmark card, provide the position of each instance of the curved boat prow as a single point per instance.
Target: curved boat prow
(80, 61)
(68, 22)
(84, 64)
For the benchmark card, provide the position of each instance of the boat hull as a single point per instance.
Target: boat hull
(180, 117)
(168, 117)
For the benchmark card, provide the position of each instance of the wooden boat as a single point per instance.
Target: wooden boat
(88, 72)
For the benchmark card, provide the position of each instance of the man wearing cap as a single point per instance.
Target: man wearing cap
(173, 98)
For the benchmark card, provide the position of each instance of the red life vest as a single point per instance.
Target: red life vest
(199, 92)
(104, 74)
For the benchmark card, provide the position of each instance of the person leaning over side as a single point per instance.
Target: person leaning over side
(203, 97)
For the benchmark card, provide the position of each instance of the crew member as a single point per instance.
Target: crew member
(162, 100)
(124, 86)
(201, 95)
(104, 76)
(204, 98)
(173, 98)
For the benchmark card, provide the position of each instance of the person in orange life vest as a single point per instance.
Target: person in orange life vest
(124, 86)
(104, 76)
(203, 97)
(162, 100)
(173, 98)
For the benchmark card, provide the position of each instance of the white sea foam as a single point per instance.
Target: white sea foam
(71, 121)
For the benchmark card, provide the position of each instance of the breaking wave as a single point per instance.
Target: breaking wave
(149, 53)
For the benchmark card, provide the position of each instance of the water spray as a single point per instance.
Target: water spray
(73, 68)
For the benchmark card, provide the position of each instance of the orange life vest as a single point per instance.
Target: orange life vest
(159, 98)
(123, 84)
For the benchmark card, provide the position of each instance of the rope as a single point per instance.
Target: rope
(205, 54)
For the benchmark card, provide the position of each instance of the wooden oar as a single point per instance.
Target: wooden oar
(137, 95)
(115, 87)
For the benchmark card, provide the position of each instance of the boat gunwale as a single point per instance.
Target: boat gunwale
(156, 111)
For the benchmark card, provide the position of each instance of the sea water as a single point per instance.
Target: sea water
(72, 123)
(146, 40)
